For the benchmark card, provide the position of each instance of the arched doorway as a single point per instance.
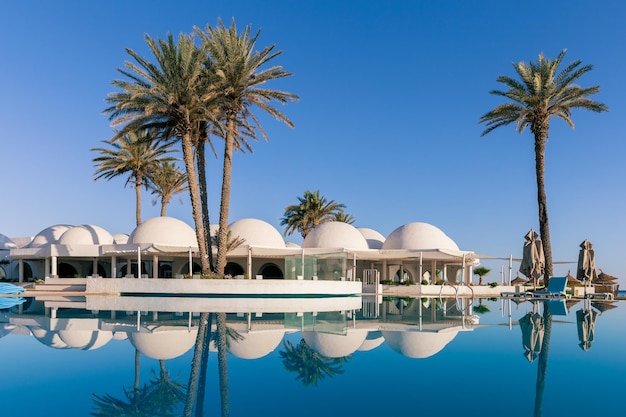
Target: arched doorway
(233, 269)
(197, 269)
(101, 270)
(66, 270)
(271, 271)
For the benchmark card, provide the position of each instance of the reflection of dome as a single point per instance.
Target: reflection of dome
(419, 236)
(49, 236)
(120, 238)
(415, 344)
(374, 239)
(163, 344)
(86, 235)
(85, 339)
(49, 338)
(335, 235)
(373, 340)
(255, 344)
(120, 336)
(6, 243)
(335, 345)
(164, 231)
(256, 232)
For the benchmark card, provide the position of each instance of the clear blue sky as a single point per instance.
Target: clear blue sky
(391, 94)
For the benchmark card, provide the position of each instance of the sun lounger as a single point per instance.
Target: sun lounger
(556, 288)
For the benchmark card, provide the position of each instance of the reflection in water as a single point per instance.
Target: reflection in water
(311, 366)
(311, 346)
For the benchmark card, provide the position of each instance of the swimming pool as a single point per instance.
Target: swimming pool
(389, 356)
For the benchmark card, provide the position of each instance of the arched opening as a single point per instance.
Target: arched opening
(233, 269)
(28, 272)
(66, 270)
(402, 276)
(3, 274)
(133, 270)
(165, 269)
(271, 271)
(433, 280)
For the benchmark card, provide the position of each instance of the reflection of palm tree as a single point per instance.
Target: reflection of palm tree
(480, 308)
(311, 366)
(543, 361)
(135, 403)
(165, 393)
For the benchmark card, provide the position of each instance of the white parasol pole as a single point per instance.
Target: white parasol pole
(190, 263)
(510, 267)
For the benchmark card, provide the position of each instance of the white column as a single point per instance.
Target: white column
(46, 267)
(155, 266)
(20, 270)
(54, 271)
(113, 266)
(249, 262)
(95, 266)
(433, 271)
(139, 269)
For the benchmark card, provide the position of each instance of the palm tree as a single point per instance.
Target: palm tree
(240, 86)
(481, 271)
(167, 181)
(175, 94)
(342, 216)
(137, 154)
(311, 366)
(311, 211)
(543, 91)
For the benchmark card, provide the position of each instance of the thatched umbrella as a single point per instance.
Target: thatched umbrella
(571, 281)
(603, 306)
(519, 281)
(606, 279)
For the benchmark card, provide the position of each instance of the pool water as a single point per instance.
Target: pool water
(428, 357)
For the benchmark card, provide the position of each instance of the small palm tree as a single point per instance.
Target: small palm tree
(481, 271)
(342, 216)
(167, 181)
(137, 154)
(311, 211)
(543, 91)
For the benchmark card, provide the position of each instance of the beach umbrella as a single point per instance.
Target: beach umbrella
(604, 278)
(586, 271)
(519, 281)
(533, 260)
(532, 327)
(586, 321)
(603, 306)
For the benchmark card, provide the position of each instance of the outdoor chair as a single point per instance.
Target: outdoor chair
(556, 288)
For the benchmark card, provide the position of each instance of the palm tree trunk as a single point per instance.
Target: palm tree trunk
(542, 367)
(192, 385)
(138, 199)
(203, 366)
(544, 226)
(225, 202)
(137, 370)
(201, 162)
(222, 363)
(188, 158)
(163, 206)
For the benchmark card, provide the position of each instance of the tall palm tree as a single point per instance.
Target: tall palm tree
(137, 154)
(240, 86)
(174, 93)
(167, 181)
(311, 211)
(543, 91)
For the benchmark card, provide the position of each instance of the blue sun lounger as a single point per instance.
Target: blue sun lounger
(8, 288)
(556, 288)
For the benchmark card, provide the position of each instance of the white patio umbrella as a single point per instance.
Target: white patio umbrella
(586, 271)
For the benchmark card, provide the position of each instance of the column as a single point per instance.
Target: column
(113, 266)
(155, 266)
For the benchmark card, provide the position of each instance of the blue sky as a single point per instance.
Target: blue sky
(391, 94)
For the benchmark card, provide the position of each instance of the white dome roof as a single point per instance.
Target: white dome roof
(373, 340)
(164, 231)
(256, 232)
(335, 235)
(86, 235)
(85, 339)
(49, 236)
(120, 238)
(419, 236)
(291, 245)
(335, 345)
(374, 239)
(255, 344)
(415, 344)
(6, 243)
(163, 344)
